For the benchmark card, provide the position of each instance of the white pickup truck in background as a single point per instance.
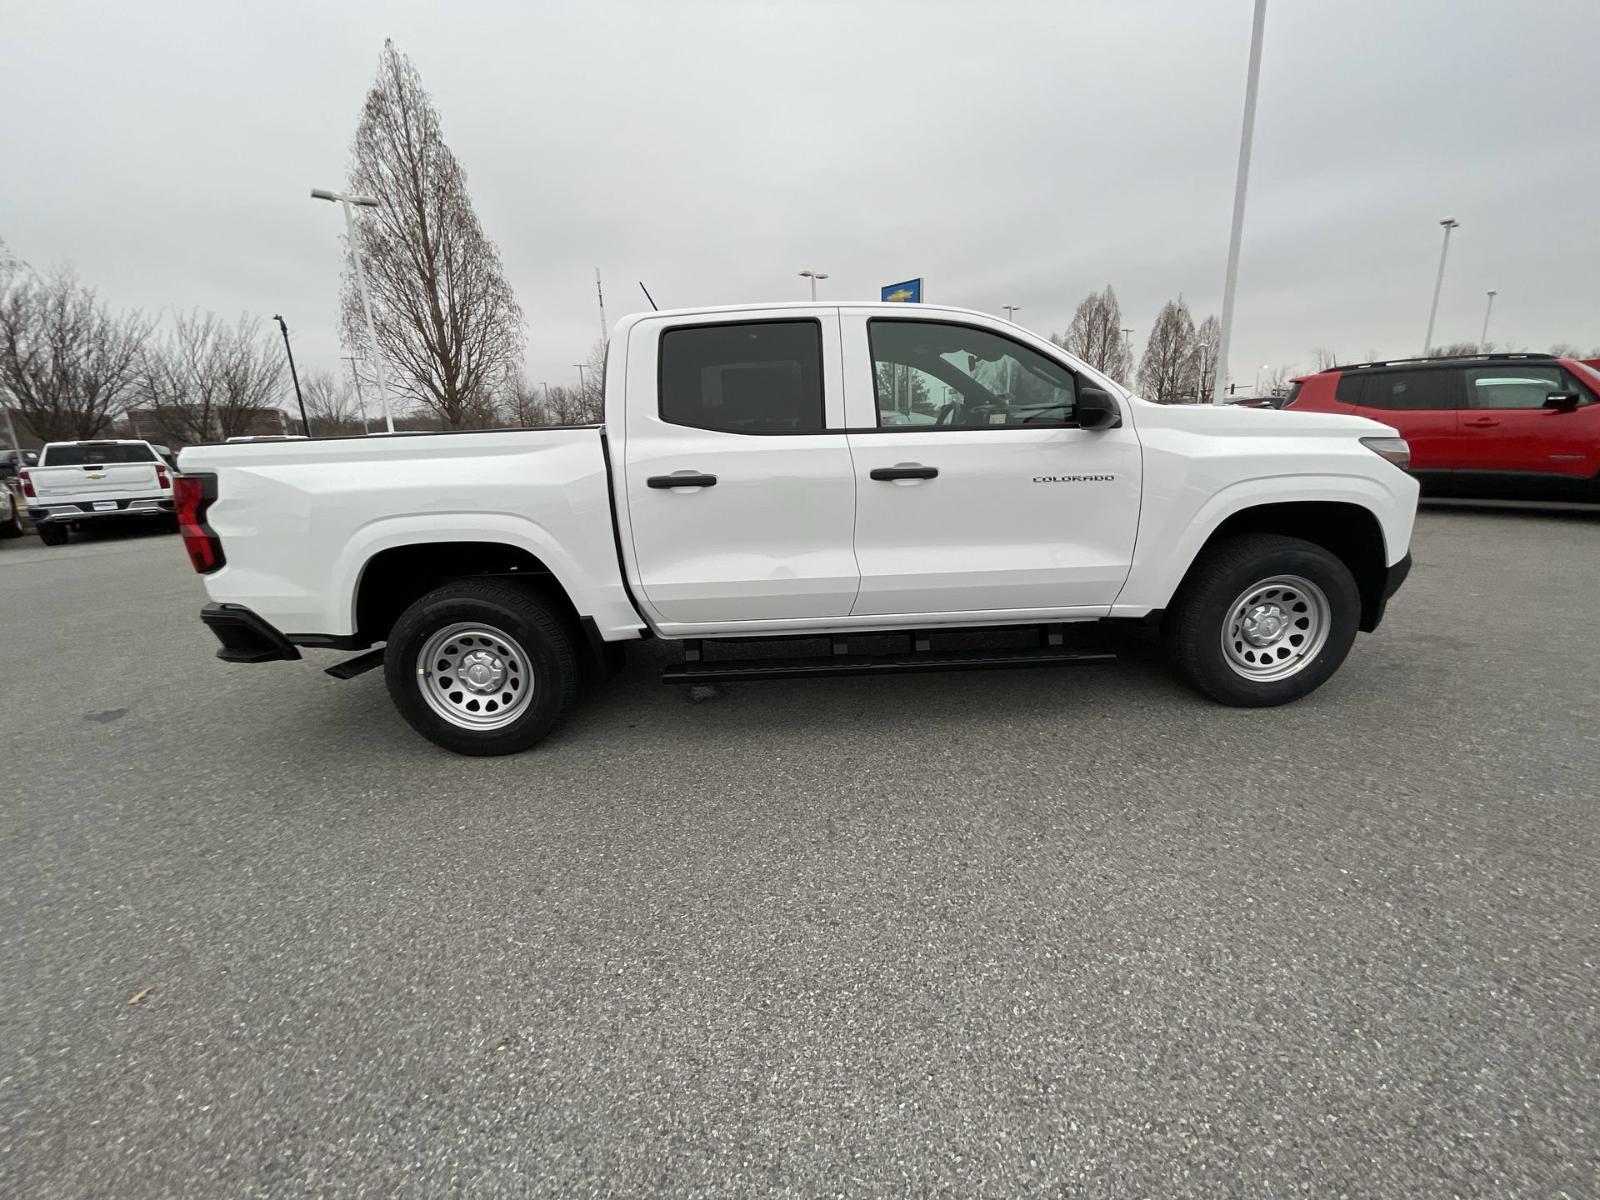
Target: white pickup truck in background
(873, 481)
(78, 484)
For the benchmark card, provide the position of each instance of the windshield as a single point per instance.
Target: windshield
(95, 454)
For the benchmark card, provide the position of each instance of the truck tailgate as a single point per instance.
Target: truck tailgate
(94, 481)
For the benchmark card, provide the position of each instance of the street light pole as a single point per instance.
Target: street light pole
(1449, 223)
(583, 384)
(1010, 309)
(361, 285)
(1483, 338)
(305, 425)
(813, 276)
(1240, 184)
(1200, 384)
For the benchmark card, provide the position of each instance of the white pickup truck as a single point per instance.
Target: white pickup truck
(78, 484)
(829, 474)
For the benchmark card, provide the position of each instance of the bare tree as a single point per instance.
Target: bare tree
(331, 405)
(1095, 335)
(1204, 369)
(1564, 350)
(593, 386)
(446, 319)
(1167, 354)
(1453, 350)
(68, 361)
(1323, 359)
(207, 380)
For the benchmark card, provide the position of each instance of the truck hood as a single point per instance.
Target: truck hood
(1263, 422)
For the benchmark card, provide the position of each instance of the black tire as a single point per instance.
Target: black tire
(1194, 625)
(537, 629)
(11, 527)
(52, 533)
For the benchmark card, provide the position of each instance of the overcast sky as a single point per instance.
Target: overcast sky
(1010, 153)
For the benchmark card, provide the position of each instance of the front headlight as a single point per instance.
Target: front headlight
(1393, 449)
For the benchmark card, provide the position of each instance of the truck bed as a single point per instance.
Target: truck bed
(300, 521)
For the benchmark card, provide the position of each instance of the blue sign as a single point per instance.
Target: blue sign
(909, 292)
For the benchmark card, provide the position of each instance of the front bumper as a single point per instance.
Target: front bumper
(77, 512)
(1372, 617)
(246, 637)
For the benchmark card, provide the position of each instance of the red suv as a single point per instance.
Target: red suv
(1490, 424)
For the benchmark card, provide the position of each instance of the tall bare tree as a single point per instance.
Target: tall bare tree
(1204, 371)
(1453, 350)
(1168, 355)
(68, 361)
(1323, 359)
(447, 321)
(208, 380)
(1095, 335)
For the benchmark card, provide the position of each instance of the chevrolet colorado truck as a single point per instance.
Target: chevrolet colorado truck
(76, 484)
(875, 481)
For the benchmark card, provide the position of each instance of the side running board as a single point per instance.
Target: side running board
(1052, 651)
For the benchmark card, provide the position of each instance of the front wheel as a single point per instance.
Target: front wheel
(481, 667)
(1262, 620)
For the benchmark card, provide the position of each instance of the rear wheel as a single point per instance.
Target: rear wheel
(1263, 620)
(481, 668)
(52, 533)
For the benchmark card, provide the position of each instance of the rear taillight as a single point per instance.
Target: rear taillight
(27, 486)
(161, 478)
(193, 495)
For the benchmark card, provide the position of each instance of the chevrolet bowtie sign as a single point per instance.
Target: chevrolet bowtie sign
(909, 292)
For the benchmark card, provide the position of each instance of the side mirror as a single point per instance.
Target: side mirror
(1562, 401)
(1097, 410)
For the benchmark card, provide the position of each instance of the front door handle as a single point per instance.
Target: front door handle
(1481, 423)
(680, 479)
(905, 471)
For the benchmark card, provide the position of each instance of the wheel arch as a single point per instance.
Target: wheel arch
(1351, 532)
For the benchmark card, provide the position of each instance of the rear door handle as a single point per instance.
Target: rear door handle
(680, 479)
(1481, 423)
(905, 471)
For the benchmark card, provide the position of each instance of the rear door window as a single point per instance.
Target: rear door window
(1409, 390)
(750, 377)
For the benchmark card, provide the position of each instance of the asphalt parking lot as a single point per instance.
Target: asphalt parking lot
(995, 934)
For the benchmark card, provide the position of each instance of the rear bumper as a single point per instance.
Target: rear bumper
(77, 512)
(245, 637)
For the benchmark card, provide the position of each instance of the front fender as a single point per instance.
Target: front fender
(1167, 547)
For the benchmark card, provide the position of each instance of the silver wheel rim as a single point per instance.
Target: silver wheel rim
(475, 676)
(1275, 627)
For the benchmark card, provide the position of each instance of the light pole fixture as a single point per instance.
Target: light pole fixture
(1241, 183)
(361, 283)
(1483, 338)
(305, 425)
(813, 276)
(1263, 367)
(1010, 309)
(1449, 223)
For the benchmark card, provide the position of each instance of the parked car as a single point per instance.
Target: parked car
(12, 461)
(79, 484)
(1516, 425)
(750, 481)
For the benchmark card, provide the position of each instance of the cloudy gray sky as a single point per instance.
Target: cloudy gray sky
(1010, 153)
